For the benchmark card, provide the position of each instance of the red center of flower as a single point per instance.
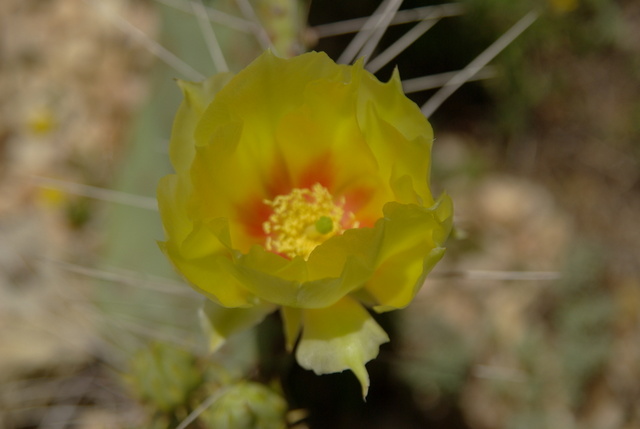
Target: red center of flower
(303, 219)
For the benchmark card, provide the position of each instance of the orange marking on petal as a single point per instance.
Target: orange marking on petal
(319, 171)
(252, 215)
(356, 199)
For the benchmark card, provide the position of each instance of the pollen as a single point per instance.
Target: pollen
(303, 219)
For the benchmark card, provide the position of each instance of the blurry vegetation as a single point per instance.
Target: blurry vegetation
(439, 363)
(532, 68)
(582, 321)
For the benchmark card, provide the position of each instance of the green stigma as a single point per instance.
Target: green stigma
(324, 225)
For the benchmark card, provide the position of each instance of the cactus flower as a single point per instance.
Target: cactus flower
(303, 186)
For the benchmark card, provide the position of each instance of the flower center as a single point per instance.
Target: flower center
(303, 219)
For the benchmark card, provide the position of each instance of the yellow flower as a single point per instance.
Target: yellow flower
(302, 185)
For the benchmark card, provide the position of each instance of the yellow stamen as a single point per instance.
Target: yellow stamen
(303, 219)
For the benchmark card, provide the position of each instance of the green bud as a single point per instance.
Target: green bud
(163, 376)
(246, 405)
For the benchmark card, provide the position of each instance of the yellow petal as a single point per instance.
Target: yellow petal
(406, 162)
(220, 323)
(267, 81)
(172, 196)
(392, 105)
(197, 96)
(211, 275)
(225, 186)
(287, 282)
(343, 336)
(412, 245)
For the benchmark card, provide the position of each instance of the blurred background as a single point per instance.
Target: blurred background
(532, 320)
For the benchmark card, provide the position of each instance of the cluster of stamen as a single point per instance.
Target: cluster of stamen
(303, 219)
